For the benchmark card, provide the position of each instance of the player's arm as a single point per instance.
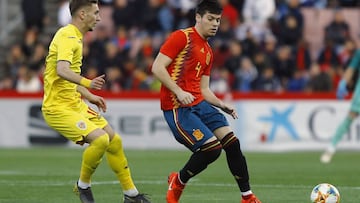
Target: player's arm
(210, 97)
(159, 69)
(354, 64)
(92, 98)
(63, 70)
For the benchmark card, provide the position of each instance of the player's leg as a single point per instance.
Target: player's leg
(236, 162)
(79, 129)
(98, 142)
(118, 162)
(341, 130)
(218, 124)
(344, 126)
(189, 130)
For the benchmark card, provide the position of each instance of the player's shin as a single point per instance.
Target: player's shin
(92, 157)
(117, 161)
(236, 161)
(207, 154)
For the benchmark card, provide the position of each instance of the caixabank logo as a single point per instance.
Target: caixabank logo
(39, 132)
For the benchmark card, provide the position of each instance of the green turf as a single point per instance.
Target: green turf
(46, 175)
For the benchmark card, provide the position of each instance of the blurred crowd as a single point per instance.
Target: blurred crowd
(260, 45)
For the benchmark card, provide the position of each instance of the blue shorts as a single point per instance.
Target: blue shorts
(192, 126)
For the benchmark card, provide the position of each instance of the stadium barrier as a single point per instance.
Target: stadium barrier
(267, 121)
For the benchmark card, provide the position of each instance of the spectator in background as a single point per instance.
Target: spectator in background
(284, 65)
(290, 9)
(63, 15)
(328, 57)
(105, 2)
(34, 14)
(14, 59)
(319, 4)
(112, 57)
(270, 48)
(338, 31)
(290, 31)
(28, 80)
(114, 79)
(232, 62)
(37, 60)
(346, 52)
(219, 81)
(245, 75)
(238, 4)
(122, 14)
(150, 18)
(267, 81)
(229, 12)
(349, 3)
(184, 10)
(256, 15)
(225, 32)
(29, 41)
(302, 55)
(249, 45)
(98, 48)
(6, 83)
(298, 82)
(121, 40)
(319, 81)
(166, 17)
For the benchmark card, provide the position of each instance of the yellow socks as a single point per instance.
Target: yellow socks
(118, 163)
(92, 157)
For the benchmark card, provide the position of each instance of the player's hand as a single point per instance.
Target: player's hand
(185, 98)
(99, 102)
(341, 90)
(98, 82)
(230, 110)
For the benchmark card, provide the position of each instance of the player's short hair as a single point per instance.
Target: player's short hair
(211, 6)
(75, 5)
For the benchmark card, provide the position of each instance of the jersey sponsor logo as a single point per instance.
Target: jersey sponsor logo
(198, 134)
(81, 125)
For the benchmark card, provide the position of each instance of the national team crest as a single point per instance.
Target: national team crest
(198, 134)
(208, 56)
(81, 125)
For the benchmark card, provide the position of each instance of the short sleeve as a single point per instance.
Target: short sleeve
(174, 44)
(66, 45)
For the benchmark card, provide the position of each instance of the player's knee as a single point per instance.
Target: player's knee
(215, 154)
(115, 144)
(212, 150)
(102, 141)
(116, 139)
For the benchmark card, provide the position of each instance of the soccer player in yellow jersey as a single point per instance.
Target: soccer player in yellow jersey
(65, 111)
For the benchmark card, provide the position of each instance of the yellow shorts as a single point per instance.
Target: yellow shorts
(74, 125)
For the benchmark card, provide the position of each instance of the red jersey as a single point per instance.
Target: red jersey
(192, 58)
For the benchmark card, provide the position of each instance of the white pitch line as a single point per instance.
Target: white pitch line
(159, 182)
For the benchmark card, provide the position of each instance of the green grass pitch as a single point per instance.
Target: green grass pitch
(47, 175)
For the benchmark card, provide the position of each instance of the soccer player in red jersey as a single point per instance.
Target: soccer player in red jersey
(183, 67)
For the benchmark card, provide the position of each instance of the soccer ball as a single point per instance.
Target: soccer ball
(325, 193)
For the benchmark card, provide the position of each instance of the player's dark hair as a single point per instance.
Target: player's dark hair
(74, 5)
(211, 6)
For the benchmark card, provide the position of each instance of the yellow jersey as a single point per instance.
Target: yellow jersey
(66, 45)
